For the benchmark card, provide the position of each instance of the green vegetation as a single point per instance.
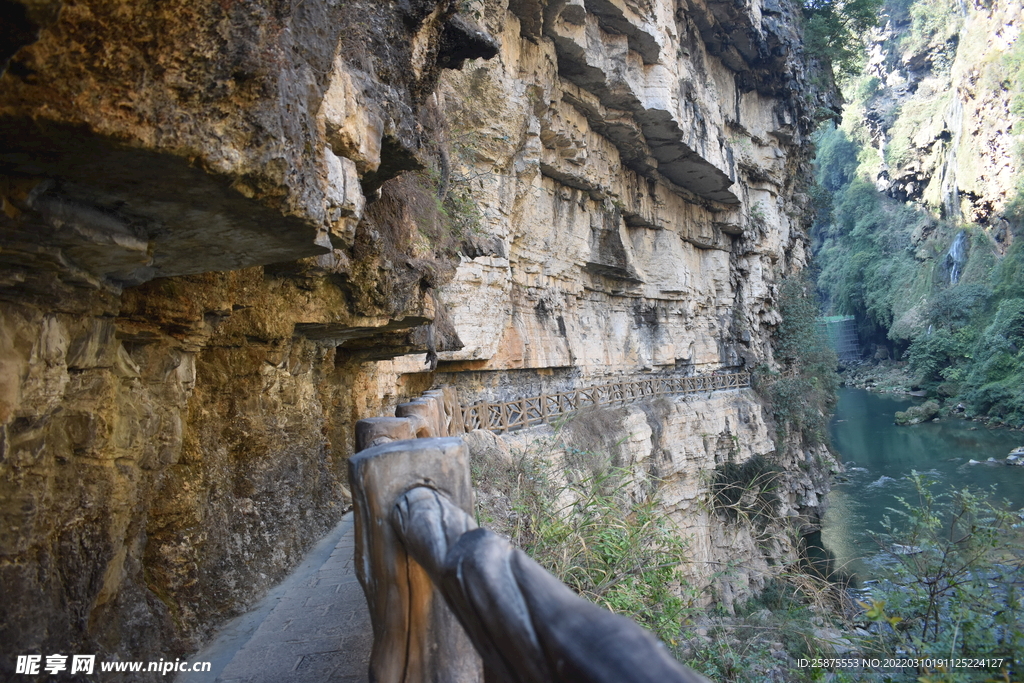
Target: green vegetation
(995, 382)
(1012, 79)
(802, 392)
(917, 414)
(834, 31)
(795, 616)
(934, 28)
(602, 533)
(962, 339)
(888, 263)
(747, 491)
(599, 533)
(864, 243)
(952, 584)
(916, 117)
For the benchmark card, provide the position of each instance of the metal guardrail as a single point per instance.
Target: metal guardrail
(506, 416)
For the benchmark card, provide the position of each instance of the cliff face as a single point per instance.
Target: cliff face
(939, 108)
(176, 414)
(221, 222)
(920, 236)
(681, 449)
(639, 177)
(638, 168)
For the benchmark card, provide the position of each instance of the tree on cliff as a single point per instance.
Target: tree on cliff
(834, 31)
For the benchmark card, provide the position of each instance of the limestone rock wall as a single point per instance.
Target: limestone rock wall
(673, 447)
(193, 295)
(230, 230)
(166, 463)
(639, 171)
(637, 182)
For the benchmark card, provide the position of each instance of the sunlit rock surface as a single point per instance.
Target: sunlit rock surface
(640, 180)
(216, 257)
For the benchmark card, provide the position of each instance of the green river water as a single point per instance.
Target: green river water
(878, 456)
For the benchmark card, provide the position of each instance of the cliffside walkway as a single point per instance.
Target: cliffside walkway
(313, 627)
(505, 416)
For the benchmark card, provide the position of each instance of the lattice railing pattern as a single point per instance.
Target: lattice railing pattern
(507, 416)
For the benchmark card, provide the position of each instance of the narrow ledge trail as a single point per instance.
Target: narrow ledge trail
(313, 627)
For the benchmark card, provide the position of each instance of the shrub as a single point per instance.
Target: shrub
(958, 306)
(952, 583)
(931, 354)
(747, 491)
(611, 548)
(794, 610)
(995, 385)
(1008, 278)
(803, 393)
(917, 414)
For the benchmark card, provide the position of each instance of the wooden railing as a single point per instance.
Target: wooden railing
(453, 602)
(507, 416)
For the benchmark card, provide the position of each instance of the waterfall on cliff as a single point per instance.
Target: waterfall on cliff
(956, 257)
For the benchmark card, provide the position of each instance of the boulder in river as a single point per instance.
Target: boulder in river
(917, 414)
(900, 549)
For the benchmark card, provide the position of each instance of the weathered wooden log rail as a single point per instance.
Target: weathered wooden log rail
(454, 603)
(507, 416)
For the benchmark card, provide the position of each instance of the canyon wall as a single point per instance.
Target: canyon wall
(678, 448)
(938, 109)
(922, 190)
(638, 170)
(230, 230)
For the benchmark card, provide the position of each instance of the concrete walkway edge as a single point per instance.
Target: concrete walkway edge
(313, 627)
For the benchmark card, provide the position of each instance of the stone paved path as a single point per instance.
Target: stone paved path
(312, 628)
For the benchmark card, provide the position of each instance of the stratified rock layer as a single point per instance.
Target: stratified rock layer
(222, 221)
(637, 183)
(638, 174)
(175, 413)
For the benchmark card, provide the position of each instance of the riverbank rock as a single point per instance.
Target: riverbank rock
(928, 410)
(886, 377)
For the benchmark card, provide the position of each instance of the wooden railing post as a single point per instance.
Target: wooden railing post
(416, 639)
(446, 597)
(428, 411)
(374, 431)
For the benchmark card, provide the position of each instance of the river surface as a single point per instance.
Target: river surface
(878, 456)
